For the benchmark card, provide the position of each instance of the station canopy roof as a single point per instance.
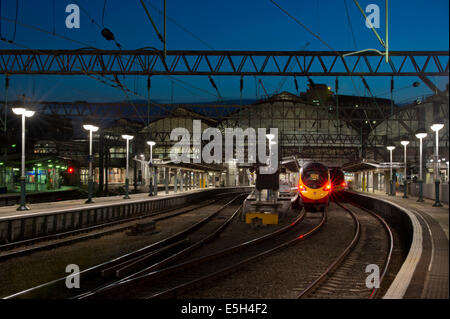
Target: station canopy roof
(369, 166)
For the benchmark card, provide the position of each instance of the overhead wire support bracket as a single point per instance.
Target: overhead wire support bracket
(161, 38)
(385, 44)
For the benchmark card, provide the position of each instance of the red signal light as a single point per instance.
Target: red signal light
(344, 184)
(70, 170)
(327, 187)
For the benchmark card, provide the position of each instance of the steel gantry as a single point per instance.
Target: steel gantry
(238, 63)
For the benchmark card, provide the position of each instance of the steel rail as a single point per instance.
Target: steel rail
(121, 269)
(95, 271)
(124, 268)
(340, 259)
(391, 246)
(186, 286)
(124, 285)
(91, 228)
(61, 235)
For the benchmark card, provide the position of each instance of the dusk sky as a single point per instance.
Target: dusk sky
(218, 25)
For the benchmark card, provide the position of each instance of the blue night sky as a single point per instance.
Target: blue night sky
(220, 25)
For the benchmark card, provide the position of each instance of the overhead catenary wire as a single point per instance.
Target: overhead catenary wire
(15, 24)
(85, 45)
(54, 16)
(167, 76)
(103, 13)
(370, 24)
(43, 31)
(103, 80)
(356, 46)
(350, 25)
(0, 20)
(180, 26)
(304, 26)
(160, 37)
(283, 80)
(318, 37)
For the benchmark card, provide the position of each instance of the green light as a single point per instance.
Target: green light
(39, 164)
(14, 145)
(1, 163)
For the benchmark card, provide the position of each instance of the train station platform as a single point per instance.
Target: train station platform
(51, 218)
(430, 265)
(39, 208)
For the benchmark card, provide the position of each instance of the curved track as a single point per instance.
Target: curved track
(174, 280)
(368, 246)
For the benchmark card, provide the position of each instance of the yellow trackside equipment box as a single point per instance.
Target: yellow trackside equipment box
(267, 219)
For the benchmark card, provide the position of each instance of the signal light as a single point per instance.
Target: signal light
(327, 187)
(344, 184)
(70, 170)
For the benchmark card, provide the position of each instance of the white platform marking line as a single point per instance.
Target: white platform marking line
(432, 241)
(403, 278)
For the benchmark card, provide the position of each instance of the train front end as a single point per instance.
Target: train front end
(314, 186)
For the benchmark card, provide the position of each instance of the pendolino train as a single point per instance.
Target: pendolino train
(314, 186)
(338, 183)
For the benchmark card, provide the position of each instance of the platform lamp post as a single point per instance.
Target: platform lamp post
(391, 181)
(24, 113)
(405, 143)
(91, 129)
(436, 126)
(270, 137)
(420, 134)
(150, 165)
(127, 181)
(448, 172)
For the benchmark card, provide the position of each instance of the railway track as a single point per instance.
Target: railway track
(345, 277)
(176, 279)
(156, 254)
(29, 246)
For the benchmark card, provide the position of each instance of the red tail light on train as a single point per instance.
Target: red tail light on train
(327, 187)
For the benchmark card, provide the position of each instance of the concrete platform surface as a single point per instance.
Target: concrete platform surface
(60, 206)
(430, 277)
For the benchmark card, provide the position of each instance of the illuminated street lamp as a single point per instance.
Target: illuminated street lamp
(150, 165)
(127, 181)
(24, 113)
(391, 181)
(436, 126)
(91, 129)
(448, 172)
(420, 134)
(405, 143)
(271, 142)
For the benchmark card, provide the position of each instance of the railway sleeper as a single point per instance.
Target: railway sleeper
(143, 228)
